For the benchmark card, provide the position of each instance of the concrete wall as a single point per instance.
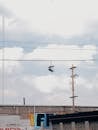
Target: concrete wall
(24, 111)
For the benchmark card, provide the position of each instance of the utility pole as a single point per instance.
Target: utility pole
(3, 45)
(73, 95)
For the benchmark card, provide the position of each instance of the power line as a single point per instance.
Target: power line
(60, 60)
(3, 57)
(43, 48)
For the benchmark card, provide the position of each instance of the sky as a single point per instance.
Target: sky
(38, 33)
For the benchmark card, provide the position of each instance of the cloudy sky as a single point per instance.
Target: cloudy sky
(39, 33)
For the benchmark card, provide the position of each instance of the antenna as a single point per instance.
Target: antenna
(24, 101)
(73, 96)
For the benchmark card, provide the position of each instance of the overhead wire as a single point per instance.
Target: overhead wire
(60, 60)
(80, 48)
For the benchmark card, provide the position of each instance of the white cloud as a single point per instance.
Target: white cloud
(5, 12)
(18, 86)
(51, 82)
(63, 17)
(63, 52)
(38, 89)
(87, 91)
(13, 54)
(48, 83)
(52, 89)
(50, 52)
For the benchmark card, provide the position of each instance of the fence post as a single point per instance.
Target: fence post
(73, 126)
(61, 126)
(42, 126)
(87, 125)
(50, 125)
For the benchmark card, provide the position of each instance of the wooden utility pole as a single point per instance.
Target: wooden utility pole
(73, 96)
